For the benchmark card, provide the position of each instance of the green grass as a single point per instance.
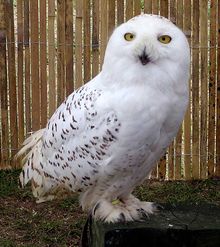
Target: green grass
(9, 182)
(206, 191)
(59, 223)
(7, 243)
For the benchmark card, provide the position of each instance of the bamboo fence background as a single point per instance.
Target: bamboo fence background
(48, 48)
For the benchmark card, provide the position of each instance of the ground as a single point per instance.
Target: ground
(59, 223)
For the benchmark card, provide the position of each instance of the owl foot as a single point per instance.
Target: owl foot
(140, 210)
(110, 211)
(129, 209)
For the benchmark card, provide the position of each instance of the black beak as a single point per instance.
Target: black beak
(144, 58)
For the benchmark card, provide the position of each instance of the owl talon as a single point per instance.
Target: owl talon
(122, 217)
(96, 208)
(143, 213)
(157, 207)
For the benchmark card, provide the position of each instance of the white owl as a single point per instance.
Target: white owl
(106, 137)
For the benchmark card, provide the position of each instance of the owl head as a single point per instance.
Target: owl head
(147, 43)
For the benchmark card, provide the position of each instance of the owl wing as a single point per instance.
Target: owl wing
(73, 146)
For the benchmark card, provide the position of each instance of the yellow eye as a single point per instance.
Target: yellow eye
(165, 39)
(129, 36)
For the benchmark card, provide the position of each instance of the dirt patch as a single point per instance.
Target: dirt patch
(25, 223)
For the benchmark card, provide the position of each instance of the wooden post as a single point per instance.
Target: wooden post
(111, 17)
(20, 77)
(104, 29)
(51, 57)
(217, 168)
(178, 139)
(171, 158)
(69, 46)
(35, 65)
(148, 6)
(211, 88)
(4, 140)
(78, 43)
(120, 12)
(60, 51)
(87, 35)
(203, 87)
(27, 66)
(137, 7)
(155, 7)
(43, 63)
(129, 9)
(162, 164)
(178, 225)
(188, 119)
(11, 76)
(95, 38)
(195, 91)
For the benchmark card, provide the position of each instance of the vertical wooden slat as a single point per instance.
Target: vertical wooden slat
(43, 63)
(162, 163)
(95, 38)
(111, 17)
(78, 39)
(159, 171)
(187, 120)
(217, 168)
(20, 35)
(148, 6)
(170, 159)
(162, 167)
(195, 90)
(137, 7)
(164, 6)
(27, 67)
(172, 11)
(104, 28)
(178, 139)
(203, 87)
(3, 90)
(179, 13)
(12, 77)
(60, 51)
(171, 162)
(154, 172)
(69, 46)
(3, 68)
(212, 86)
(51, 56)
(35, 66)
(86, 36)
(129, 9)
(120, 12)
(155, 7)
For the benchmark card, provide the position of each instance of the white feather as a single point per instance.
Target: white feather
(30, 142)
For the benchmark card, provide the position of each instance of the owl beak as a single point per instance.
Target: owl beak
(144, 58)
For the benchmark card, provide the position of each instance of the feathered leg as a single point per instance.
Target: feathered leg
(128, 209)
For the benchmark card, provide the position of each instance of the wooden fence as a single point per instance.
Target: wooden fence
(48, 48)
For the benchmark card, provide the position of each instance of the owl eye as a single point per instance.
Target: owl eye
(165, 39)
(129, 36)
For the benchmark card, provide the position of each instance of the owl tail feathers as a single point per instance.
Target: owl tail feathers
(45, 186)
(33, 167)
(29, 144)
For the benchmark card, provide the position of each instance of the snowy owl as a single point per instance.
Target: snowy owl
(107, 136)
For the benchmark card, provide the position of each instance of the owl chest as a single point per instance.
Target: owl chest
(148, 130)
